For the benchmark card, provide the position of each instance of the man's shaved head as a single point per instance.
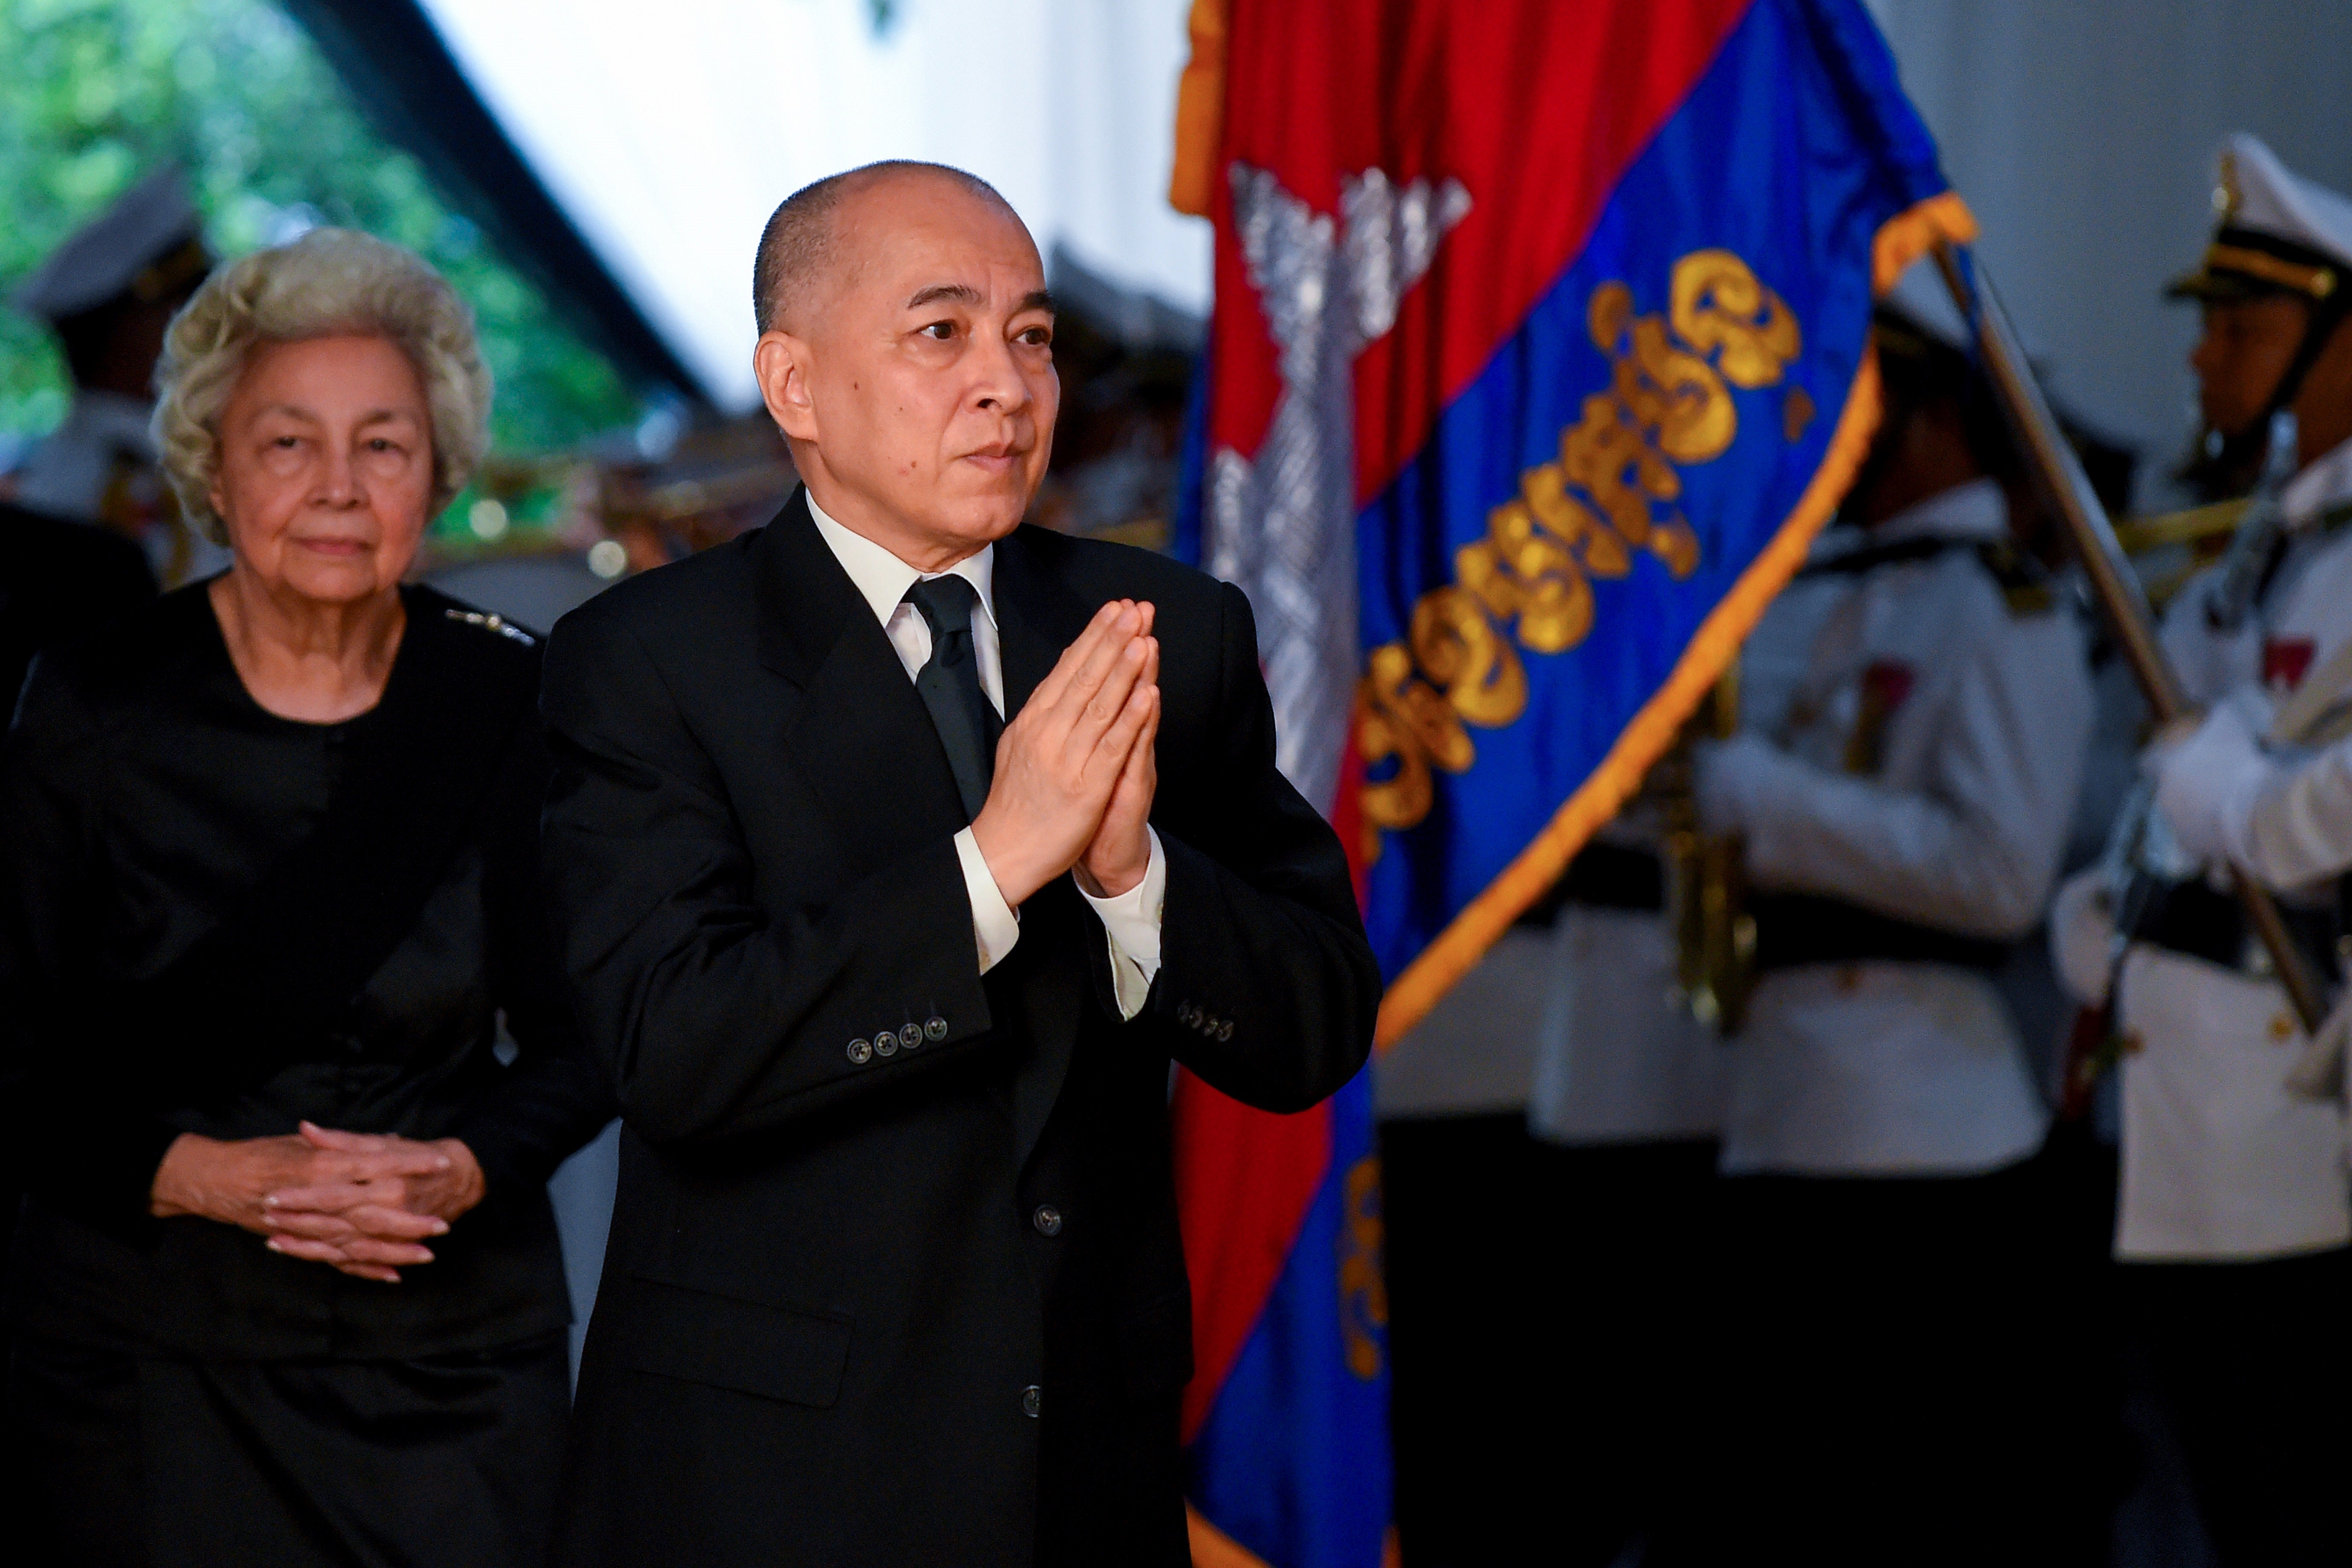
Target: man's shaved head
(800, 242)
(907, 355)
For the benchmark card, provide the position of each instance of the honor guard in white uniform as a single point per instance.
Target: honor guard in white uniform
(2233, 1210)
(1915, 713)
(108, 293)
(1626, 1106)
(1621, 1061)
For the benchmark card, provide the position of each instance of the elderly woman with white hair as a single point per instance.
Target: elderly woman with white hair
(286, 1287)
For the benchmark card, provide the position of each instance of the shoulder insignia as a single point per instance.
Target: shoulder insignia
(492, 623)
(2024, 583)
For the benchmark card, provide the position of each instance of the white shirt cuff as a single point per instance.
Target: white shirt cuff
(994, 926)
(1131, 920)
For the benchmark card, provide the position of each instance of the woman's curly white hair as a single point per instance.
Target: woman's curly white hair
(328, 283)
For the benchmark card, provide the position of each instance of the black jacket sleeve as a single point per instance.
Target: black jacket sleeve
(551, 1099)
(75, 1139)
(714, 1016)
(1268, 987)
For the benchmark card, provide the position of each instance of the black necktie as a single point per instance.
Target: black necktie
(950, 685)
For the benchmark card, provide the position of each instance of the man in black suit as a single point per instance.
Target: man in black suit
(890, 971)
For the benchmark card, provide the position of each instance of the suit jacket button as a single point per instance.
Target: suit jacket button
(1032, 1399)
(1188, 1014)
(885, 1043)
(911, 1035)
(1225, 1028)
(1047, 1219)
(935, 1030)
(860, 1053)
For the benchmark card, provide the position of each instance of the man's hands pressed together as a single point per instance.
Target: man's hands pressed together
(1074, 769)
(363, 1202)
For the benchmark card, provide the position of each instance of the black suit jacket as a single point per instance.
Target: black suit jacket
(927, 1304)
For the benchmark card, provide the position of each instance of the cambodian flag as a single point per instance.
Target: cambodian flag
(1540, 352)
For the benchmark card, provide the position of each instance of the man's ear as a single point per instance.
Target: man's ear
(781, 362)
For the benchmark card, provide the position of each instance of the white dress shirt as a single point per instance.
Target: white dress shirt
(1131, 920)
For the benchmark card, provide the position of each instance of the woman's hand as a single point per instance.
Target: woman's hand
(362, 1204)
(367, 1224)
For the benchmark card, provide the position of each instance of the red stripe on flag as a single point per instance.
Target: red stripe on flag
(1244, 1180)
(1537, 107)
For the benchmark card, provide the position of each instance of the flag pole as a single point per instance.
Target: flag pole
(2113, 582)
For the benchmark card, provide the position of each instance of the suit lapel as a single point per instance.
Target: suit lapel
(1037, 618)
(861, 734)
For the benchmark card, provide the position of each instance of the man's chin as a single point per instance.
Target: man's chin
(985, 518)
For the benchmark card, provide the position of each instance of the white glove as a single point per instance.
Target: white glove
(2318, 1072)
(1729, 774)
(2206, 785)
(2082, 936)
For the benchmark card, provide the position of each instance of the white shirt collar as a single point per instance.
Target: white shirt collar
(2326, 480)
(882, 579)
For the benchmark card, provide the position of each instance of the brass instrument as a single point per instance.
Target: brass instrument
(2195, 527)
(2168, 549)
(1706, 875)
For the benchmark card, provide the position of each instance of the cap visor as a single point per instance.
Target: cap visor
(2211, 288)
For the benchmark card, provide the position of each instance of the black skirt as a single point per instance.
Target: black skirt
(150, 1462)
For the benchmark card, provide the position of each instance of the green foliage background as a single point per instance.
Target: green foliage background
(93, 94)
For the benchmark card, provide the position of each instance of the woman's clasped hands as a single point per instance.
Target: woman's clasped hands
(363, 1202)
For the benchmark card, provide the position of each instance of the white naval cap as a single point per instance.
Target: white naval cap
(150, 243)
(2280, 233)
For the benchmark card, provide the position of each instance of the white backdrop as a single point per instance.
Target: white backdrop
(670, 130)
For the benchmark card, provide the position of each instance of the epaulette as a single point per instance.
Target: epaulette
(490, 621)
(2024, 583)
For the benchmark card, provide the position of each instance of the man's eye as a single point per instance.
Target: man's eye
(285, 443)
(1038, 337)
(941, 330)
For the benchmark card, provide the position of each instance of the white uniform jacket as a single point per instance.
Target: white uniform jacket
(68, 473)
(1913, 741)
(2221, 1160)
(100, 465)
(1619, 1058)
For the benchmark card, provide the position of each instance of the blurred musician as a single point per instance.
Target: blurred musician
(1916, 711)
(107, 293)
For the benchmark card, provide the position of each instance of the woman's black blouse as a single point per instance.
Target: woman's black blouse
(147, 797)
